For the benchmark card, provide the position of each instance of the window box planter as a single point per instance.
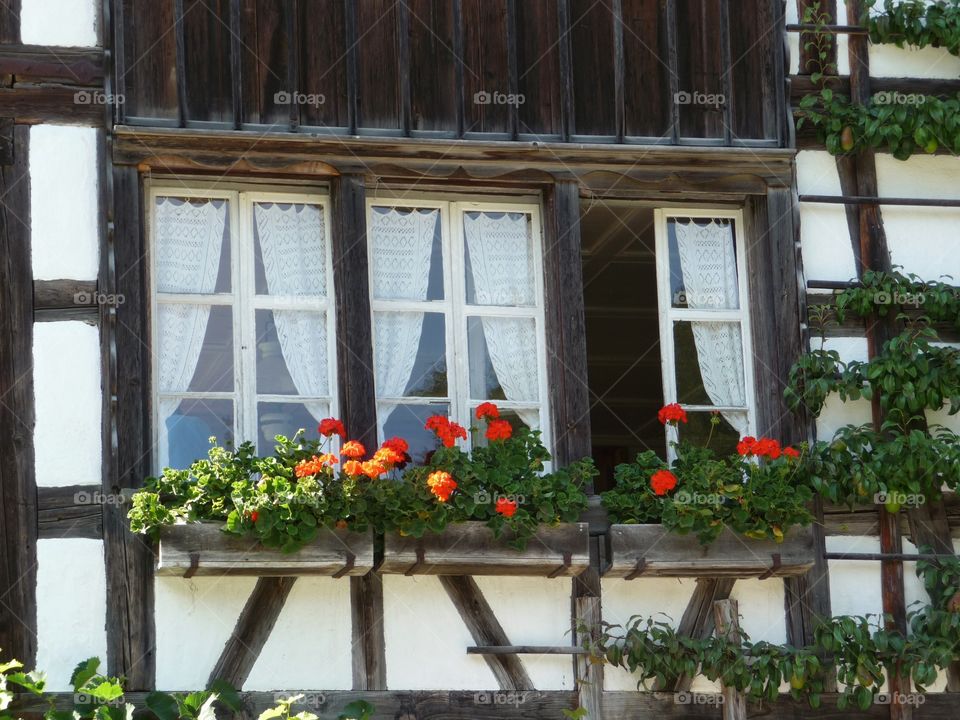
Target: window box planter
(652, 551)
(204, 549)
(469, 548)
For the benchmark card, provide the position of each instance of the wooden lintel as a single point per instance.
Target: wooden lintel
(32, 104)
(68, 65)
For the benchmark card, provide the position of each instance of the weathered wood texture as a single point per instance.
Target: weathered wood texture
(698, 617)
(10, 22)
(485, 629)
(369, 656)
(33, 103)
(55, 300)
(587, 614)
(649, 550)
(253, 628)
(18, 495)
(72, 511)
(204, 549)
(727, 621)
(38, 63)
(470, 548)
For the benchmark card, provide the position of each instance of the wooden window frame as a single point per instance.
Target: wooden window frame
(242, 299)
(454, 307)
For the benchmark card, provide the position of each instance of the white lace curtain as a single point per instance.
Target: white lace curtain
(293, 246)
(189, 238)
(402, 242)
(502, 273)
(709, 266)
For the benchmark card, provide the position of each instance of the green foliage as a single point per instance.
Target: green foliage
(915, 23)
(761, 499)
(357, 710)
(895, 293)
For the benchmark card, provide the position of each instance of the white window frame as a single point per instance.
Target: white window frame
(242, 299)
(454, 305)
(669, 315)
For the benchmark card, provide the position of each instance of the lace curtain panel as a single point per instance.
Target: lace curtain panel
(709, 266)
(293, 245)
(402, 244)
(189, 238)
(502, 273)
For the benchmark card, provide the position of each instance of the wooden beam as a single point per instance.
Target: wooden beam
(727, 621)
(801, 85)
(71, 511)
(587, 616)
(485, 629)
(10, 21)
(40, 63)
(698, 617)
(32, 104)
(56, 300)
(253, 628)
(369, 646)
(18, 494)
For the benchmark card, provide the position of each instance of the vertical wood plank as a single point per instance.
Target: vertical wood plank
(236, 65)
(618, 69)
(10, 22)
(647, 101)
(586, 616)
(430, 65)
(291, 17)
(458, 69)
(567, 126)
(350, 31)
(726, 80)
(538, 65)
(594, 91)
(323, 65)
(404, 61)
(180, 63)
(512, 61)
(18, 492)
(727, 622)
(369, 649)
(673, 62)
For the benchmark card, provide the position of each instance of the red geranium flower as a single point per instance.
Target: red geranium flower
(254, 515)
(791, 452)
(441, 485)
(397, 444)
(672, 413)
(745, 446)
(499, 430)
(445, 429)
(487, 410)
(353, 449)
(506, 507)
(663, 481)
(331, 426)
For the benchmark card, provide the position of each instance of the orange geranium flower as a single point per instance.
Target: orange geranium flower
(353, 449)
(672, 413)
(389, 456)
(487, 410)
(663, 481)
(309, 467)
(372, 469)
(506, 507)
(499, 430)
(441, 485)
(331, 426)
(328, 459)
(353, 468)
(397, 444)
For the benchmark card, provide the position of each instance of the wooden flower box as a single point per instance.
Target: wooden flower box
(652, 551)
(470, 548)
(204, 549)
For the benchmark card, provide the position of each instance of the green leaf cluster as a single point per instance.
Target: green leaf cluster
(915, 23)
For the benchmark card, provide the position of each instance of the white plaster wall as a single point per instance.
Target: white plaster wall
(888, 60)
(824, 237)
(854, 584)
(66, 358)
(310, 646)
(63, 198)
(59, 22)
(194, 619)
(71, 607)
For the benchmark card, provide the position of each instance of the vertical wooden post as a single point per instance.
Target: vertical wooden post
(728, 624)
(369, 650)
(587, 614)
(18, 489)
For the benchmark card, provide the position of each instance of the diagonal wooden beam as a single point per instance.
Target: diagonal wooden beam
(254, 625)
(698, 618)
(486, 630)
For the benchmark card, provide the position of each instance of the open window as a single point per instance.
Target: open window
(666, 318)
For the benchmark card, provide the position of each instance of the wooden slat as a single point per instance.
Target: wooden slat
(587, 616)
(727, 621)
(369, 655)
(567, 124)
(181, 62)
(18, 497)
(33, 103)
(513, 73)
(470, 548)
(485, 629)
(10, 21)
(650, 550)
(203, 549)
(350, 33)
(58, 294)
(236, 64)
(41, 63)
(698, 617)
(524, 650)
(71, 511)
(252, 630)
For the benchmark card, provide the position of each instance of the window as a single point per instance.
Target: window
(242, 317)
(457, 303)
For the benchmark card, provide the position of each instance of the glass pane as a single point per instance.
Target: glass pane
(407, 422)
(187, 425)
(527, 417)
(709, 357)
(195, 348)
(290, 255)
(275, 418)
(499, 259)
(703, 264)
(411, 354)
(406, 253)
(292, 353)
(726, 434)
(503, 358)
(191, 245)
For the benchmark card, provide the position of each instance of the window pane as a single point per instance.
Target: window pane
(290, 249)
(726, 434)
(187, 425)
(406, 253)
(292, 353)
(411, 354)
(709, 358)
(285, 419)
(407, 422)
(503, 358)
(191, 245)
(703, 264)
(499, 259)
(195, 348)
